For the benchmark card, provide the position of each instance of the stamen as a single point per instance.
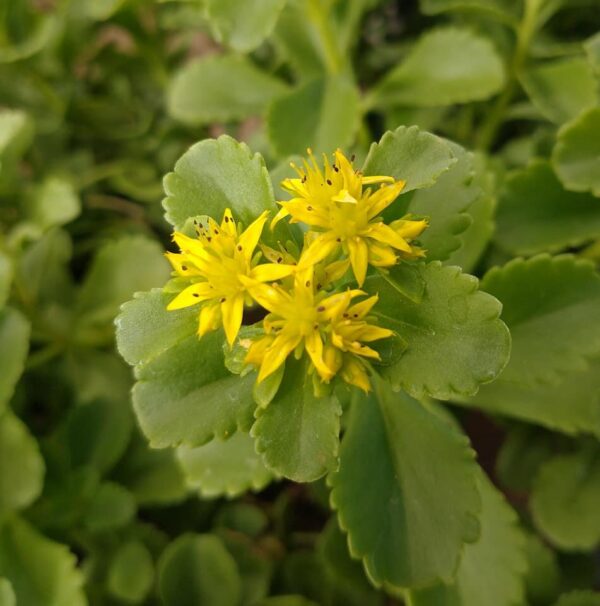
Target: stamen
(309, 207)
(321, 308)
(239, 247)
(223, 299)
(195, 294)
(328, 181)
(307, 283)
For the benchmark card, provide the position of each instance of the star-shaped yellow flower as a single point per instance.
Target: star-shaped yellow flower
(340, 203)
(329, 328)
(216, 263)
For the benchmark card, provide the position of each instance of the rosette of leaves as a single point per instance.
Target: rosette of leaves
(403, 479)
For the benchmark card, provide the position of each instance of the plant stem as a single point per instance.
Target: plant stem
(525, 31)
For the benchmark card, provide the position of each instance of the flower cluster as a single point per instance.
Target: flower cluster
(342, 209)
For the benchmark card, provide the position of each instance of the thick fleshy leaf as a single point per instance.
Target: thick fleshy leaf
(21, 465)
(14, 344)
(579, 598)
(298, 433)
(576, 155)
(243, 25)
(565, 502)
(406, 490)
(7, 595)
(411, 155)
(322, 114)
(491, 570)
(592, 49)
(131, 573)
(561, 89)
(216, 174)
(202, 91)
(184, 393)
(552, 307)
(446, 204)
(447, 65)
(507, 11)
(224, 468)
(6, 273)
(120, 268)
(112, 507)
(455, 339)
(570, 406)
(42, 572)
(543, 578)
(536, 214)
(197, 569)
(16, 132)
(54, 202)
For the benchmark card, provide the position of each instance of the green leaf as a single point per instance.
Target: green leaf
(445, 66)
(21, 465)
(111, 508)
(7, 595)
(100, 10)
(536, 214)
(16, 133)
(14, 343)
(491, 570)
(285, 600)
(552, 307)
(131, 573)
(455, 338)
(446, 204)
(216, 174)
(298, 433)
(42, 572)
(97, 434)
(570, 406)
(579, 598)
(119, 269)
(410, 154)
(187, 396)
(202, 92)
(6, 275)
(322, 114)
(406, 490)
(54, 202)
(154, 477)
(197, 569)
(565, 502)
(592, 49)
(576, 155)
(507, 11)
(224, 468)
(243, 25)
(543, 578)
(562, 88)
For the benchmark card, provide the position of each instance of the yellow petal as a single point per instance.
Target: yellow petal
(370, 333)
(381, 255)
(336, 270)
(318, 250)
(257, 350)
(361, 309)
(249, 239)
(280, 215)
(359, 258)
(354, 373)
(409, 229)
(187, 244)
(270, 297)
(276, 354)
(373, 179)
(271, 272)
(210, 315)
(383, 197)
(182, 264)
(386, 235)
(228, 224)
(196, 293)
(232, 311)
(345, 197)
(314, 348)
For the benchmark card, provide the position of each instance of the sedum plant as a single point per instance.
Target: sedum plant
(389, 395)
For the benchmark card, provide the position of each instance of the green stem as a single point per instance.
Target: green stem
(525, 31)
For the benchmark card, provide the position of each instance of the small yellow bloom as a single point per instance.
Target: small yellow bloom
(329, 328)
(340, 204)
(216, 262)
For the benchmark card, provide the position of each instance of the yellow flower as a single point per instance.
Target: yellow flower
(216, 262)
(339, 203)
(329, 328)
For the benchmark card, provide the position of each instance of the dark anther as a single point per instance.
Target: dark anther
(319, 286)
(352, 157)
(338, 239)
(183, 268)
(316, 327)
(216, 232)
(307, 283)
(336, 169)
(328, 181)
(200, 226)
(345, 315)
(226, 219)
(356, 315)
(195, 294)
(321, 308)
(279, 259)
(208, 238)
(309, 208)
(304, 179)
(223, 299)
(239, 247)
